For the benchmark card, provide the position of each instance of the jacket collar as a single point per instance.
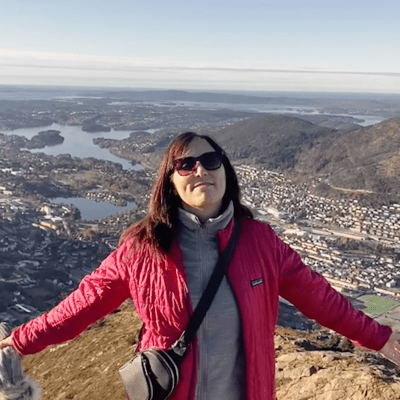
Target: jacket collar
(211, 227)
(223, 236)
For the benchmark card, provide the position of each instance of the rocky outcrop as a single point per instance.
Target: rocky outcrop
(323, 365)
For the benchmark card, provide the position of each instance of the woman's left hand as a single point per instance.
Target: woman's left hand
(391, 350)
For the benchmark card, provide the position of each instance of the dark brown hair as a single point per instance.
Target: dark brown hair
(160, 224)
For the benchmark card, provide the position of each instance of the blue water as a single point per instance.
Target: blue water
(275, 108)
(78, 143)
(13, 92)
(91, 210)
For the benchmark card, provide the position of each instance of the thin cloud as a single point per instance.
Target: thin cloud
(26, 67)
(78, 62)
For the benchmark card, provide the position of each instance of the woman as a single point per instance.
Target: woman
(163, 263)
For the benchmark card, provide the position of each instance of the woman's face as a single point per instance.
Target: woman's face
(201, 191)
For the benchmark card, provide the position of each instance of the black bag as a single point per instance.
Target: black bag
(154, 373)
(151, 374)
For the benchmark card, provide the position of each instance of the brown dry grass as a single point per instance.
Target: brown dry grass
(87, 368)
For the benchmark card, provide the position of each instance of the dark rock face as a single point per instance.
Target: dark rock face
(45, 138)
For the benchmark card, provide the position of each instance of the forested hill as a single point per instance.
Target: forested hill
(364, 160)
(272, 140)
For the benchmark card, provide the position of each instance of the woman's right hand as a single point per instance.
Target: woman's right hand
(5, 342)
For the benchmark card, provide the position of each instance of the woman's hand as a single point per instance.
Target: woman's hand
(391, 350)
(5, 342)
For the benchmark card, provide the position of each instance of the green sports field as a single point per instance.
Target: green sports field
(377, 305)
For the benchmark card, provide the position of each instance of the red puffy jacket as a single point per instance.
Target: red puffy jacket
(262, 269)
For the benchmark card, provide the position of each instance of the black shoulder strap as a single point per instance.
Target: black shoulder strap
(209, 293)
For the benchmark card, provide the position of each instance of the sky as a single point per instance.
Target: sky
(280, 45)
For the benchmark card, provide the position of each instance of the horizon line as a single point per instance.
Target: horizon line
(189, 90)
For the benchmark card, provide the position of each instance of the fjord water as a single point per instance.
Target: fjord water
(78, 143)
(91, 210)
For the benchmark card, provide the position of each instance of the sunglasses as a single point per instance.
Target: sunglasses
(187, 165)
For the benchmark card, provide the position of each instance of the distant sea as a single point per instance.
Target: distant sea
(20, 93)
(295, 110)
(33, 92)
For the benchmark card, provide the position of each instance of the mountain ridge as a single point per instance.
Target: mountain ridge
(362, 162)
(367, 158)
(272, 140)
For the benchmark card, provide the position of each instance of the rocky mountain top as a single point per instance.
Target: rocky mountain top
(316, 365)
(321, 365)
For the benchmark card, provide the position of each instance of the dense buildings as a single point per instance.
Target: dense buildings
(357, 246)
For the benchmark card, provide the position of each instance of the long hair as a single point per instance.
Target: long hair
(159, 227)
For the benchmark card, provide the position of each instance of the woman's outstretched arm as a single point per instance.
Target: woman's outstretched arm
(98, 294)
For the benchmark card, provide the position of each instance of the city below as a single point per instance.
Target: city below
(46, 249)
